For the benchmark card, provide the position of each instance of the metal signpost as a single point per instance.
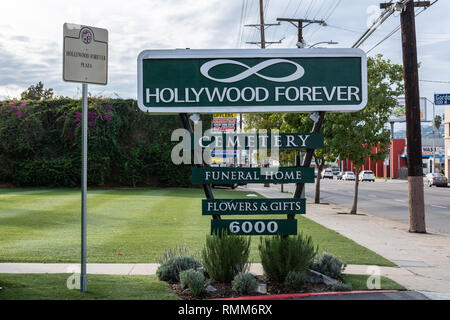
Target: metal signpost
(244, 81)
(85, 60)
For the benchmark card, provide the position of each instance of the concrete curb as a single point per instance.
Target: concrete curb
(303, 295)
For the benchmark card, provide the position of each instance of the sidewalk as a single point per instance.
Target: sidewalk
(141, 268)
(423, 259)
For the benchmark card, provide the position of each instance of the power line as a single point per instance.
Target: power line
(332, 10)
(309, 8)
(295, 13)
(435, 81)
(261, 26)
(241, 20)
(326, 17)
(378, 22)
(398, 28)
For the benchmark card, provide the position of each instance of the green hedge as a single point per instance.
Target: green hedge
(40, 144)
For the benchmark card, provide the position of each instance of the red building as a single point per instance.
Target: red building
(378, 166)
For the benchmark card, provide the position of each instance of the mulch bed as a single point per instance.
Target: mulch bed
(224, 290)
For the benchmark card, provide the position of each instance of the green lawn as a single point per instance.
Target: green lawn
(359, 282)
(128, 226)
(104, 287)
(107, 287)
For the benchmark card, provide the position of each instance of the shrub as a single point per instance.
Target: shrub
(328, 264)
(295, 281)
(40, 144)
(170, 270)
(194, 280)
(341, 287)
(245, 283)
(225, 255)
(280, 255)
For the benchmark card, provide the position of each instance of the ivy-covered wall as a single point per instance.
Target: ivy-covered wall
(40, 145)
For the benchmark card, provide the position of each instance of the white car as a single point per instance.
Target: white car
(366, 175)
(327, 174)
(348, 175)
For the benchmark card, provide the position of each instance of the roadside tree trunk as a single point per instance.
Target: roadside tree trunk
(355, 196)
(320, 163)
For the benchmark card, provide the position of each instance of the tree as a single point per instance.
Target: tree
(355, 135)
(437, 123)
(37, 92)
(294, 123)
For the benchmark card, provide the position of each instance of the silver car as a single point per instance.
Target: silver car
(435, 179)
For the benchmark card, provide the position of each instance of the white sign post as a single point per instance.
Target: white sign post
(85, 60)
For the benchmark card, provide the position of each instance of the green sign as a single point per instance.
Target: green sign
(236, 141)
(217, 175)
(256, 227)
(253, 206)
(252, 80)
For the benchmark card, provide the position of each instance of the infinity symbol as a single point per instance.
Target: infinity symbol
(299, 72)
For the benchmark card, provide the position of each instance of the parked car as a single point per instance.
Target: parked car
(436, 179)
(366, 175)
(339, 175)
(348, 175)
(335, 171)
(327, 174)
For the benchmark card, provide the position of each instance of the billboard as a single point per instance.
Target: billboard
(224, 122)
(399, 112)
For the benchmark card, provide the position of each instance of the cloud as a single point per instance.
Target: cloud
(32, 45)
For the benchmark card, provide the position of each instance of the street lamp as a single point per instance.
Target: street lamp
(327, 42)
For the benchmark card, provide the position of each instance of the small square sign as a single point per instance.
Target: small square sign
(85, 54)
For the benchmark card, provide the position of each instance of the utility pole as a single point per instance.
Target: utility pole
(261, 21)
(391, 153)
(413, 128)
(262, 29)
(298, 24)
(318, 118)
(434, 141)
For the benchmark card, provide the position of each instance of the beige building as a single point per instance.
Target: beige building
(447, 141)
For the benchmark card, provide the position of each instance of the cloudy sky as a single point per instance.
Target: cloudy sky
(31, 35)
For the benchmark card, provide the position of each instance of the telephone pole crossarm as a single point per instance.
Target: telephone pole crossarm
(299, 24)
(416, 4)
(266, 25)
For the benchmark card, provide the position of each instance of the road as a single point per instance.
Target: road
(386, 199)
